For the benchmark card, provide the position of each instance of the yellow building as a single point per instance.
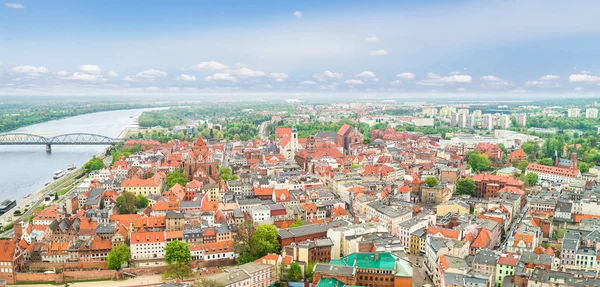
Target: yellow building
(213, 191)
(452, 206)
(142, 186)
(417, 241)
(436, 194)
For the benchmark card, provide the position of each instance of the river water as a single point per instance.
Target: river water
(26, 169)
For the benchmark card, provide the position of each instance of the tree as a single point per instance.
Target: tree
(55, 196)
(118, 256)
(264, 241)
(583, 167)
(226, 175)
(297, 222)
(178, 258)
(93, 164)
(478, 161)
(141, 201)
(203, 282)
(531, 178)
(308, 271)
(431, 181)
(126, 203)
(522, 165)
(546, 161)
(465, 186)
(294, 274)
(176, 177)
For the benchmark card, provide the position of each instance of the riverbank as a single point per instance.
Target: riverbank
(27, 203)
(28, 120)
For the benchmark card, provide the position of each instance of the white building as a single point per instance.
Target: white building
(521, 119)
(504, 121)
(148, 245)
(251, 274)
(339, 236)
(405, 229)
(591, 113)
(260, 213)
(573, 112)
(390, 216)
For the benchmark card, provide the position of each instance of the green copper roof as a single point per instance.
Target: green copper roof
(330, 282)
(376, 260)
(372, 260)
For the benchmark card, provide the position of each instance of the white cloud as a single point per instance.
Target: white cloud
(307, 83)
(90, 69)
(30, 70)
(62, 73)
(354, 82)
(396, 83)
(461, 89)
(490, 78)
(222, 77)
(330, 87)
(152, 89)
(209, 66)
(405, 76)
(519, 91)
(78, 76)
(297, 14)
(437, 80)
(379, 52)
(112, 74)
(371, 39)
(549, 78)
(583, 78)
(279, 77)
(578, 89)
(541, 84)
(367, 75)
(267, 86)
(14, 5)
(184, 77)
(146, 75)
(493, 82)
(328, 75)
(248, 73)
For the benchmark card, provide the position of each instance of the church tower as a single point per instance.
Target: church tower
(294, 142)
(574, 157)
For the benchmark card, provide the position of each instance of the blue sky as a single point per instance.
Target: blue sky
(294, 48)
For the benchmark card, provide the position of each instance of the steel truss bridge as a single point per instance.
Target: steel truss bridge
(66, 139)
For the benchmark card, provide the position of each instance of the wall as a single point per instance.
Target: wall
(45, 266)
(68, 276)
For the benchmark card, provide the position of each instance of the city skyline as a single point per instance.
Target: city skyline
(386, 49)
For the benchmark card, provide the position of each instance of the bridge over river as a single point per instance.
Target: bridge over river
(65, 139)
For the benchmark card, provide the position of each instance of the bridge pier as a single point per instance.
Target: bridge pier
(48, 148)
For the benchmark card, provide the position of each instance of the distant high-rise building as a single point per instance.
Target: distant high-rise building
(488, 122)
(504, 121)
(463, 111)
(447, 111)
(521, 119)
(477, 113)
(430, 111)
(573, 112)
(591, 113)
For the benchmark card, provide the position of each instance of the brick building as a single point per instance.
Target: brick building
(318, 250)
(300, 234)
(370, 269)
(488, 185)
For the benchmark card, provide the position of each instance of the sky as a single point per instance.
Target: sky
(290, 49)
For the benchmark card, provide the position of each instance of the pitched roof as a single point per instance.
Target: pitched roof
(147, 237)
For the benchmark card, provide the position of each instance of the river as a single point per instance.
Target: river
(26, 169)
